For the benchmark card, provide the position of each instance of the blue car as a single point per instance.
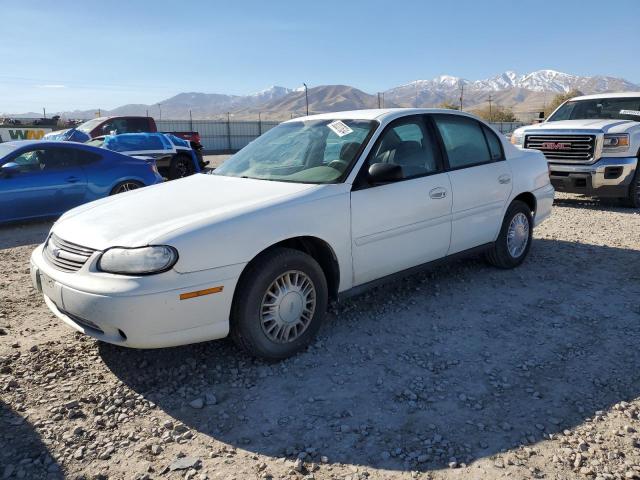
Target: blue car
(45, 179)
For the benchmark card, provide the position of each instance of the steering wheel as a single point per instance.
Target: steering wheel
(340, 165)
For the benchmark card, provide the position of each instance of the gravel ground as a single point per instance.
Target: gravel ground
(462, 372)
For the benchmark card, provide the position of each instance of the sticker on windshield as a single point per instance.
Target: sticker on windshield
(630, 112)
(339, 128)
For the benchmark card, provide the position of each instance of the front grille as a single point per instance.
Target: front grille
(566, 148)
(66, 256)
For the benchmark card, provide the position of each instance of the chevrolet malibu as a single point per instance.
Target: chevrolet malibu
(316, 209)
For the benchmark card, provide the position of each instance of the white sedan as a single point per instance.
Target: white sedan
(316, 209)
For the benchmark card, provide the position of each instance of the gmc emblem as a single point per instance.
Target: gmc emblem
(556, 146)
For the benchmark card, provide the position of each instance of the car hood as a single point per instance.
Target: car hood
(138, 217)
(603, 125)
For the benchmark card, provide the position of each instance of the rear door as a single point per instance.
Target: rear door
(480, 180)
(49, 182)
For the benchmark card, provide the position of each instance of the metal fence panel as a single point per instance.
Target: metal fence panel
(223, 136)
(219, 135)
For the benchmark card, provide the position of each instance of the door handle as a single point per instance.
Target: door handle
(504, 179)
(438, 193)
(72, 179)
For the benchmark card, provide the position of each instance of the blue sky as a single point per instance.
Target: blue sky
(75, 55)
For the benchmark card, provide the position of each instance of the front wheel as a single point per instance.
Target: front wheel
(633, 198)
(514, 241)
(279, 305)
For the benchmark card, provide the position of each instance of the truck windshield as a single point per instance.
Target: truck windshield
(311, 151)
(621, 108)
(89, 125)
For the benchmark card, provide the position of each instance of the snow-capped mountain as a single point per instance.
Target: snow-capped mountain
(523, 92)
(508, 88)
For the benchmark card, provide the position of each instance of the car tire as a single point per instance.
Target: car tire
(181, 166)
(279, 305)
(514, 240)
(126, 186)
(633, 198)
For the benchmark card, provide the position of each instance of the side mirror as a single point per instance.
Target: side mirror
(9, 169)
(385, 173)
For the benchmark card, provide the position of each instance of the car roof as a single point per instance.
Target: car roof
(380, 114)
(608, 95)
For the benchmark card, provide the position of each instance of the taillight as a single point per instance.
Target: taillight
(196, 137)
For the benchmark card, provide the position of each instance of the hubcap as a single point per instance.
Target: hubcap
(288, 306)
(518, 235)
(125, 187)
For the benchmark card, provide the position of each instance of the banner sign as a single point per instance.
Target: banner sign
(8, 134)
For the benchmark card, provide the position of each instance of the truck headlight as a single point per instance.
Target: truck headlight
(517, 138)
(616, 142)
(138, 261)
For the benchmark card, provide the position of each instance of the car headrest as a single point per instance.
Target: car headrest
(349, 150)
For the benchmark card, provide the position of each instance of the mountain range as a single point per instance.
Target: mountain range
(523, 93)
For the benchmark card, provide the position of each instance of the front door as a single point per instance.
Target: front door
(49, 182)
(404, 223)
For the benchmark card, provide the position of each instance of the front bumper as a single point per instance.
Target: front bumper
(140, 312)
(608, 177)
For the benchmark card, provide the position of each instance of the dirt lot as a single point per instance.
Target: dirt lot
(463, 372)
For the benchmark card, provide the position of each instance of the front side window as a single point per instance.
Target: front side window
(623, 108)
(408, 144)
(464, 140)
(311, 151)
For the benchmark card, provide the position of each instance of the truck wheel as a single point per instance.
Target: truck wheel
(633, 198)
(514, 240)
(279, 305)
(181, 166)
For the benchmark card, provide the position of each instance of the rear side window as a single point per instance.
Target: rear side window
(85, 157)
(463, 139)
(495, 147)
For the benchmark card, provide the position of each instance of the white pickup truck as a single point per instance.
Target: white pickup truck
(592, 144)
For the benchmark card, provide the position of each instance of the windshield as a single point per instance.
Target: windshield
(602, 108)
(5, 150)
(312, 151)
(89, 125)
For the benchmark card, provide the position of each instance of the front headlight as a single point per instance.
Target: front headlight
(616, 142)
(138, 261)
(517, 138)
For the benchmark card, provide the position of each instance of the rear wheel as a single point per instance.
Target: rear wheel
(280, 303)
(181, 166)
(126, 186)
(514, 241)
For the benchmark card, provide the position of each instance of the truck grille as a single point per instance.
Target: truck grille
(567, 148)
(66, 256)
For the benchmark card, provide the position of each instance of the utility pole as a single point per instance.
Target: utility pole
(382, 99)
(190, 121)
(259, 123)
(490, 113)
(160, 109)
(379, 104)
(229, 130)
(306, 97)
(44, 112)
(461, 94)
(147, 112)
